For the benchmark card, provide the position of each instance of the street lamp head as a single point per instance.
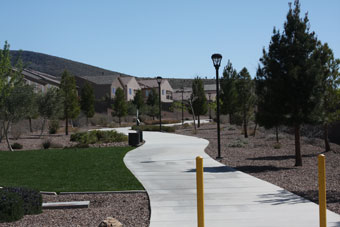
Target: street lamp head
(216, 58)
(159, 79)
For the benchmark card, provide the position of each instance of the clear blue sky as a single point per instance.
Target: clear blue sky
(158, 38)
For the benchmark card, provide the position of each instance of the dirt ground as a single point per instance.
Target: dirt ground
(261, 157)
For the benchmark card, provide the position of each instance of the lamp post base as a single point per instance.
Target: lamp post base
(219, 158)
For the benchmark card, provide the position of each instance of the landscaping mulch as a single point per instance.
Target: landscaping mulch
(131, 209)
(257, 156)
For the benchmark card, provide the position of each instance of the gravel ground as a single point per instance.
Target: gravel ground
(258, 157)
(131, 209)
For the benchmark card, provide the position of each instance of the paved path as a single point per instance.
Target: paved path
(165, 165)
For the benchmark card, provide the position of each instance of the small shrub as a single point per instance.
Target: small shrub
(97, 136)
(153, 128)
(238, 143)
(32, 199)
(53, 126)
(155, 122)
(277, 145)
(46, 144)
(231, 128)
(16, 146)
(186, 125)
(11, 206)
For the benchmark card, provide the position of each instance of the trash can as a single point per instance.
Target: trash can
(134, 139)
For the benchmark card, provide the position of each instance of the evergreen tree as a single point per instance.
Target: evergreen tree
(199, 103)
(87, 101)
(245, 97)
(228, 94)
(70, 98)
(138, 100)
(330, 111)
(152, 102)
(291, 72)
(119, 105)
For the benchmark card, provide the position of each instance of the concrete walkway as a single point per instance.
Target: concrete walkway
(165, 165)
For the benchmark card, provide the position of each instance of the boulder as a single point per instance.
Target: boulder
(110, 222)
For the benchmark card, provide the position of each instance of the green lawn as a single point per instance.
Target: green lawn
(88, 169)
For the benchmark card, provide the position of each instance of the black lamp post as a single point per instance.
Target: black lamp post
(159, 81)
(209, 106)
(182, 106)
(216, 58)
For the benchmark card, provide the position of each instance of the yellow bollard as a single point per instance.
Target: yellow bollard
(322, 190)
(200, 192)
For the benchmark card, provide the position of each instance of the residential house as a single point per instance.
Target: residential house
(107, 85)
(166, 90)
(130, 85)
(40, 81)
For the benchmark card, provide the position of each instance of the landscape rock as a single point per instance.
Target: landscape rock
(110, 222)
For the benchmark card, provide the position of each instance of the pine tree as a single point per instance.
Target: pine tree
(199, 102)
(291, 72)
(245, 97)
(119, 105)
(152, 102)
(138, 100)
(70, 98)
(330, 111)
(87, 101)
(228, 94)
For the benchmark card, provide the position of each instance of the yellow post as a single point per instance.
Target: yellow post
(322, 190)
(200, 192)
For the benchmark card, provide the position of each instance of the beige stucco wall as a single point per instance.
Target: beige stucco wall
(166, 88)
(115, 84)
(134, 86)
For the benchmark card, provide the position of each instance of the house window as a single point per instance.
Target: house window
(113, 90)
(162, 92)
(130, 91)
(147, 92)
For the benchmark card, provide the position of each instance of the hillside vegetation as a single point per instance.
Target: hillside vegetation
(55, 65)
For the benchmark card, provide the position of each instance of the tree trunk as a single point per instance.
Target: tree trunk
(119, 121)
(277, 134)
(87, 121)
(30, 123)
(198, 121)
(298, 157)
(6, 135)
(245, 125)
(255, 128)
(42, 127)
(66, 125)
(230, 118)
(327, 146)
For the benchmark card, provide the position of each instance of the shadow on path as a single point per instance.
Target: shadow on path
(260, 169)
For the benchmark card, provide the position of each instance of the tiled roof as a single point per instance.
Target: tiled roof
(125, 80)
(39, 77)
(148, 83)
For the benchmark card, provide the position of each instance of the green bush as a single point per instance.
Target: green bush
(46, 144)
(16, 146)
(97, 136)
(11, 206)
(32, 199)
(153, 128)
(53, 126)
(155, 122)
